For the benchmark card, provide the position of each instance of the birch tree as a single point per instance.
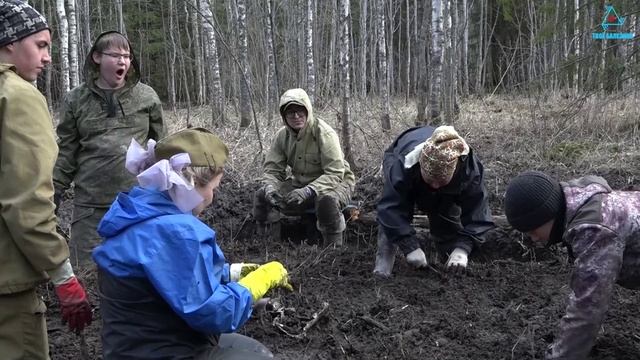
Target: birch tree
(63, 27)
(436, 59)
(73, 44)
(363, 48)
(245, 80)
(171, 60)
(121, 27)
(311, 71)
(213, 65)
(345, 88)
(273, 87)
(382, 63)
(192, 9)
(465, 49)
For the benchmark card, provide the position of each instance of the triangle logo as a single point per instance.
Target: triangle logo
(611, 18)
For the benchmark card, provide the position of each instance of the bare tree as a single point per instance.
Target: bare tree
(345, 89)
(311, 70)
(273, 87)
(121, 26)
(436, 59)
(385, 119)
(213, 65)
(192, 10)
(73, 44)
(171, 59)
(245, 79)
(363, 49)
(64, 45)
(465, 48)
(407, 62)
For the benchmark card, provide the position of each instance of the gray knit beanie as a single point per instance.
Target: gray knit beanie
(532, 199)
(18, 20)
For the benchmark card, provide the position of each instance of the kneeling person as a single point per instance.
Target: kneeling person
(321, 179)
(434, 170)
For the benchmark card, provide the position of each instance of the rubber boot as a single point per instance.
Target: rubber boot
(335, 238)
(330, 220)
(385, 256)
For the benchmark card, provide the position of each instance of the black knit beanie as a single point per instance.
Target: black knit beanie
(18, 20)
(532, 199)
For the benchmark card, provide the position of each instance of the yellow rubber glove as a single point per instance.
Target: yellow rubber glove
(265, 278)
(239, 270)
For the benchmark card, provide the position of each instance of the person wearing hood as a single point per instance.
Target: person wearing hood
(321, 179)
(166, 291)
(601, 230)
(435, 171)
(98, 119)
(31, 251)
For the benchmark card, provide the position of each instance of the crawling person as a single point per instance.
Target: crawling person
(434, 170)
(601, 230)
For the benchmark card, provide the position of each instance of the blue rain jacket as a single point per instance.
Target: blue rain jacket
(148, 238)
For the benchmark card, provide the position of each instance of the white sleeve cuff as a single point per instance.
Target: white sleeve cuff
(62, 273)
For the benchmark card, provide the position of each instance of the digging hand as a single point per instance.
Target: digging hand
(271, 194)
(457, 262)
(265, 278)
(75, 308)
(238, 271)
(298, 196)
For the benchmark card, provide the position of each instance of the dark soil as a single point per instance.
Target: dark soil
(506, 307)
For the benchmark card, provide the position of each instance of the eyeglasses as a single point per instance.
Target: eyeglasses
(293, 112)
(115, 56)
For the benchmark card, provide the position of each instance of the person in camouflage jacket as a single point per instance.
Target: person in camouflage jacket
(601, 230)
(99, 119)
(321, 179)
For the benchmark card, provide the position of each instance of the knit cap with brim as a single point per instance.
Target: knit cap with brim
(440, 154)
(204, 147)
(18, 20)
(532, 199)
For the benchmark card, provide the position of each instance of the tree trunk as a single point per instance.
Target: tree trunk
(121, 26)
(344, 115)
(197, 53)
(465, 49)
(212, 62)
(436, 60)
(245, 78)
(273, 88)
(171, 61)
(363, 49)
(64, 45)
(422, 69)
(407, 63)
(382, 64)
(576, 45)
(73, 44)
(308, 51)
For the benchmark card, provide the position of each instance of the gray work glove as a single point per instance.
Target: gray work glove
(272, 195)
(417, 258)
(457, 262)
(298, 196)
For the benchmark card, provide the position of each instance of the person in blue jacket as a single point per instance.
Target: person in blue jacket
(435, 171)
(166, 291)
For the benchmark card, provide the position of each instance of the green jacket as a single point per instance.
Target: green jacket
(29, 243)
(94, 134)
(314, 153)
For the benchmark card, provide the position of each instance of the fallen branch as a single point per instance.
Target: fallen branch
(315, 318)
(375, 323)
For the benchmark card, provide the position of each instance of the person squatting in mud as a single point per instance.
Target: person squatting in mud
(601, 230)
(434, 170)
(98, 120)
(321, 179)
(165, 288)
(31, 251)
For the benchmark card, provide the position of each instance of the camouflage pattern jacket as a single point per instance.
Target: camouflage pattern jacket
(602, 231)
(314, 153)
(29, 243)
(95, 131)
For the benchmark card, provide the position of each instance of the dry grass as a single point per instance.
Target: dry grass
(567, 138)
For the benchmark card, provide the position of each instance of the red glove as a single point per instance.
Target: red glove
(74, 305)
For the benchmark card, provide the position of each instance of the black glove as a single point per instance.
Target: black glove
(271, 195)
(298, 196)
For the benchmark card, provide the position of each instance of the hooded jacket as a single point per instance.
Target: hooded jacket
(164, 284)
(602, 232)
(458, 210)
(314, 153)
(29, 243)
(95, 130)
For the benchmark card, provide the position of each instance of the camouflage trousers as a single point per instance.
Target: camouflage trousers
(23, 329)
(326, 209)
(84, 234)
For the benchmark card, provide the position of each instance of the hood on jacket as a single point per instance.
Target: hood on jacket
(7, 67)
(298, 97)
(91, 70)
(578, 191)
(131, 208)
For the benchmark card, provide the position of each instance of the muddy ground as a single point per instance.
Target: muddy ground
(507, 307)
